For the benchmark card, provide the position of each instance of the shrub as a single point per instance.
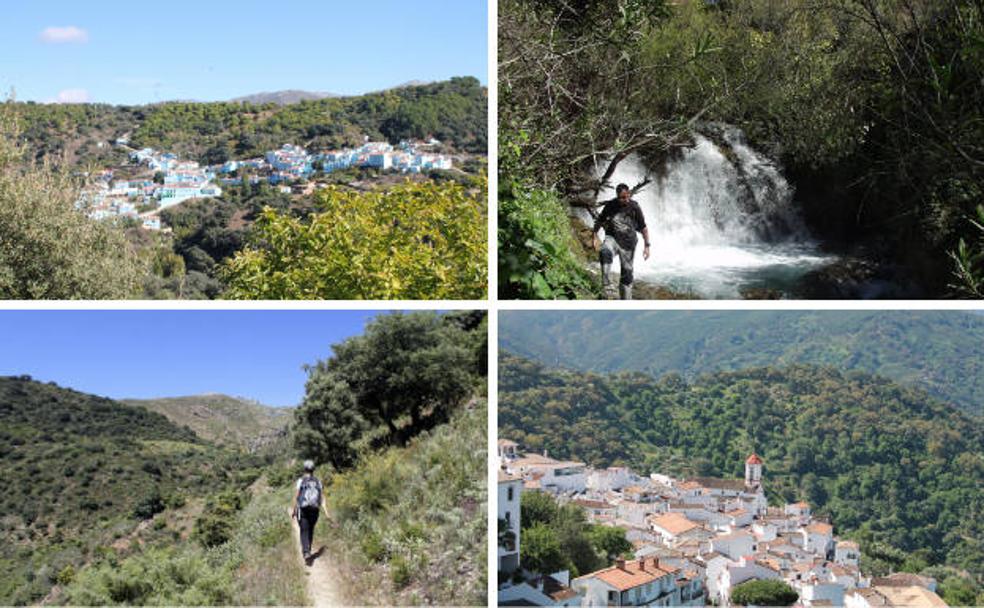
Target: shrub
(414, 241)
(537, 257)
(763, 593)
(149, 506)
(400, 572)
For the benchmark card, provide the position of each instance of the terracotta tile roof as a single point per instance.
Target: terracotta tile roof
(820, 528)
(507, 443)
(911, 597)
(673, 523)
(631, 574)
(902, 579)
(506, 477)
(557, 590)
(715, 483)
(592, 504)
(753, 459)
(847, 544)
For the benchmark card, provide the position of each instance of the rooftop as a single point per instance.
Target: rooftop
(631, 574)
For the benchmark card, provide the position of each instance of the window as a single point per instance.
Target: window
(509, 494)
(508, 520)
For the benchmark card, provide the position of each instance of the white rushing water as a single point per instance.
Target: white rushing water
(719, 226)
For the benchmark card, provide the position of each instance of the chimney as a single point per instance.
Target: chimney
(642, 564)
(656, 561)
(620, 563)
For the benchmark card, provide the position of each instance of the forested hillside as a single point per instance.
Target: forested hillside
(893, 467)
(454, 111)
(78, 473)
(939, 352)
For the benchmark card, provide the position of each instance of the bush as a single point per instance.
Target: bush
(149, 506)
(414, 241)
(400, 572)
(537, 257)
(763, 593)
(50, 250)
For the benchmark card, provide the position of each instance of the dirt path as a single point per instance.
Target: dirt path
(320, 575)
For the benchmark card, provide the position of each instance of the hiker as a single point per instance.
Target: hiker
(621, 218)
(309, 497)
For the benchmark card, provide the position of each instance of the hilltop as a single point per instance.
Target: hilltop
(895, 468)
(282, 98)
(221, 419)
(939, 352)
(454, 111)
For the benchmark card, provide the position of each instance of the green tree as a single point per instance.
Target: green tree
(48, 248)
(763, 593)
(609, 541)
(405, 374)
(414, 241)
(540, 551)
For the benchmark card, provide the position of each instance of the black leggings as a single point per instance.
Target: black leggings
(307, 519)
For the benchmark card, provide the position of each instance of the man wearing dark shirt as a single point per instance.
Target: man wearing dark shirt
(621, 218)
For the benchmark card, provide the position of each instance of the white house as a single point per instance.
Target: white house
(735, 545)
(612, 478)
(671, 526)
(820, 591)
(555, 475)
(818, 538)
(847, 553)
(741, 571)
(640, 582)
(510, 488)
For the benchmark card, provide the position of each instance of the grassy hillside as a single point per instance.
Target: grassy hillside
(939, 352)
(454, 111)
(256, 564)
(80, 474)
(413, 519)
(893, 467)
(221, 419)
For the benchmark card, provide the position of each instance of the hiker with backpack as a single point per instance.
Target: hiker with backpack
(309, 498)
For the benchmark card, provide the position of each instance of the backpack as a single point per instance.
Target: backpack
(309, 496)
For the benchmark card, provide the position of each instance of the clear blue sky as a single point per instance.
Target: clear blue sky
(126, 52)
(153, 353)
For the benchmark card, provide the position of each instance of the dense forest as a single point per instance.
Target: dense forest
(894, 468)
(453, 111)
(939, 352)
(872, 108)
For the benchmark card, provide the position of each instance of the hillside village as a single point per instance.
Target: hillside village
(156, 180)
(694, 540)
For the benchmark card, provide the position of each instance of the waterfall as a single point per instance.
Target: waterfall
(721, 218)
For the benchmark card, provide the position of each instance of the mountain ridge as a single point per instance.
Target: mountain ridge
(222, 419)
(941, 352)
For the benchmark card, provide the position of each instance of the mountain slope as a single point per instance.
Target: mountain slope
(414, 518)
(455, 111)
(222, 419)
(940, 352)
(79, 472)
(892, 466)
(282, 98)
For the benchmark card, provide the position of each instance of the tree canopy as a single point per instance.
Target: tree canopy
(414, 241)
(406, 374)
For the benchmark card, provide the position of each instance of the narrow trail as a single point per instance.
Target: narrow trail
(320, 575)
